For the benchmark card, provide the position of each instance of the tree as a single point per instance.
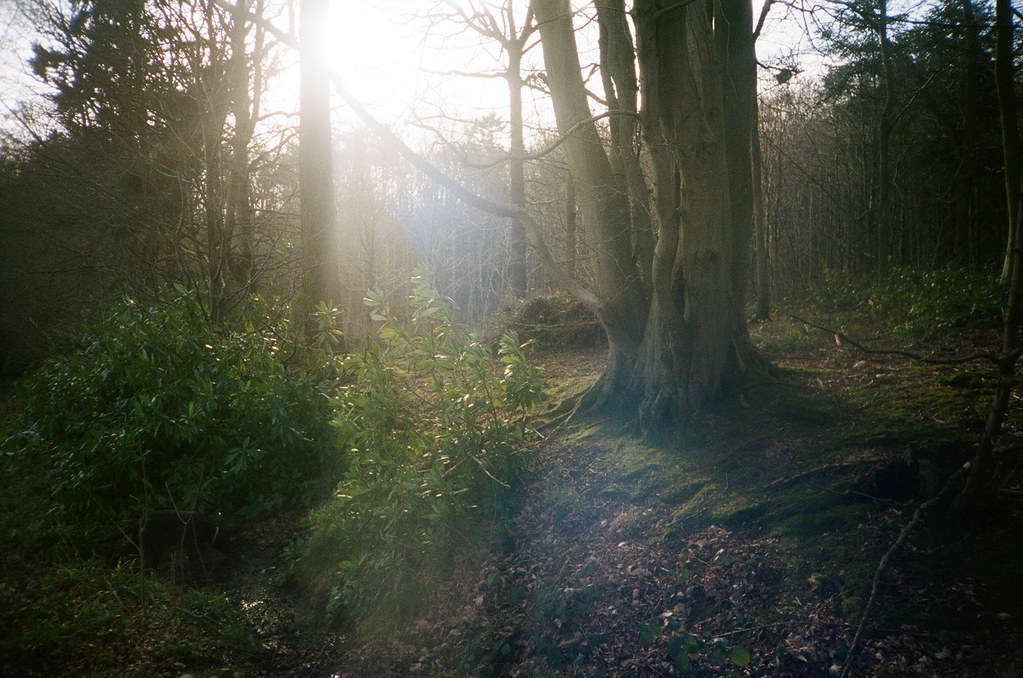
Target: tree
(1012, 146)
(672, 305)
(164, 97)
(984, 472)
(315, 175)
(502, 28)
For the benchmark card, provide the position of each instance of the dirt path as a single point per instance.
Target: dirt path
(293, 638)
(602, 577)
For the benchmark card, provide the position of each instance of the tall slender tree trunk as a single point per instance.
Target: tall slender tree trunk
(215, 110)
(603, 196)
(245, 105)
(1012, 147)
(966, 172)
(621, 87)
(762, 257)
(882, 208)
(571, 228)
(734, 38)
(517, 179)
(315, 172)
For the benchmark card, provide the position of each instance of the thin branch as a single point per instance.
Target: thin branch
(821, 469)
(886, 558)
(547, 150)
(586, 297)
(763, 17)
(492, 75)
(980, 355)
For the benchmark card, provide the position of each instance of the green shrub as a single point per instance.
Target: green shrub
(434, 429)
(916, 302)
(159, 407)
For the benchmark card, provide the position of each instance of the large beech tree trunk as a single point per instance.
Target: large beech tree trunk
(671, 294)
(670, 300)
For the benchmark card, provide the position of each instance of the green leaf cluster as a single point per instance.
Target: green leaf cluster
(689, 651)
(434, 429)
(914, 301)
(159, 407)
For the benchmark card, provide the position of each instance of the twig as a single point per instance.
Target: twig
(821, 469)
(485, 470)
(980, 355)
(778, 625)
(886, 558)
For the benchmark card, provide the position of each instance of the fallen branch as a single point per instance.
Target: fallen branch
(821, 469)
(980, 355)
(886, 558)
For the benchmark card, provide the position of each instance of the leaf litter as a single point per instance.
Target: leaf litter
(595, 581)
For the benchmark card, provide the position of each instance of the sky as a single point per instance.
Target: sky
(16, 81)
(397, 62)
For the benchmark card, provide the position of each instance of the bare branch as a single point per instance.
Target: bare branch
(572, 286)
(980, 355)
(763, 17)
(886, 558)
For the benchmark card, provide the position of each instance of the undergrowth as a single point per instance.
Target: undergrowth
(158, 407)
(435, 432)
(915, 303)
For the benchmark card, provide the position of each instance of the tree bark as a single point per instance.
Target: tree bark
(1012, 147)
(515, 45)
(981, 472)
(967, 171)
(621, 88)
(245, 106)
(762, 258)
(684, 343)
(215, 108)
(517, 176)
(602, 195)
(315, 172)
(881, 210)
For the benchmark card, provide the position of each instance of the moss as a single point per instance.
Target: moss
(631, 523)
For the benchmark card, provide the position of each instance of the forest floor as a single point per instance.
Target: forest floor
(745, 547)
(745, 544)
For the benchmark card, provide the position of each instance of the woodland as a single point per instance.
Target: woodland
(633, 338)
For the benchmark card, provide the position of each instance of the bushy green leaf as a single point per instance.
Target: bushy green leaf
(740, 656)
(159, 407)
(434, 433)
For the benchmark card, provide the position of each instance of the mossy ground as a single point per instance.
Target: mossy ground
(749, 540)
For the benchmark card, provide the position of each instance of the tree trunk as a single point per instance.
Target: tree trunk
(602, 195)
(882, 208)
(315, 175)
(1012, 148)
(517, 178)
(215, 109)
(621, 88)
(684, 344)
(763, 270)
(571, 228)
(245, 109)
